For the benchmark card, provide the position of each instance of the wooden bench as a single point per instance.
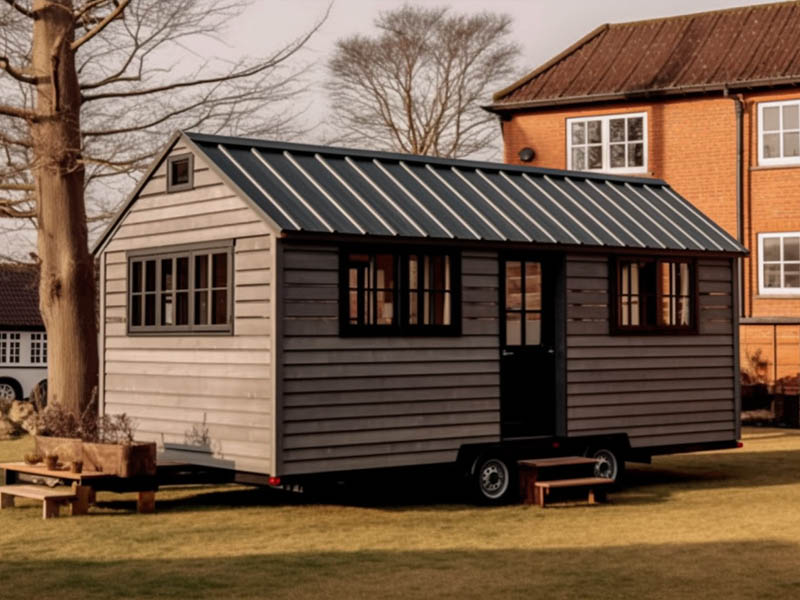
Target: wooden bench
(85, 484)
(531, 468)
(595, 487)
(51, 498)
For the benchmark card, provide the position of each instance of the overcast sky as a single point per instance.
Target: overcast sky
(541, 27)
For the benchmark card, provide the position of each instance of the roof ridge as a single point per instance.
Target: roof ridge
(718, 11)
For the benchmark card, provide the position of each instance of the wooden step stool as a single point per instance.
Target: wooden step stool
(51, 498)
(595, 486)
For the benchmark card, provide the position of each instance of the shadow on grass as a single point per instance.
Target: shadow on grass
(707, 570)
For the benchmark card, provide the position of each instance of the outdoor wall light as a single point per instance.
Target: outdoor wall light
(526, 154)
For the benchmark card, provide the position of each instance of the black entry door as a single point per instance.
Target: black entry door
(527, 361)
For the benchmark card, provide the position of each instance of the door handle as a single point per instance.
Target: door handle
(507, 353)
(551, 351)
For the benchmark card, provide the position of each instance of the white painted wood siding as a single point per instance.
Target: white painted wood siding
(660, 389)
(370, 402)
(171, 384)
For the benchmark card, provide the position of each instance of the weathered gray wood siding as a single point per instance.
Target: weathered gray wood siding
(172, 384)
(660, 389)
(366, 402)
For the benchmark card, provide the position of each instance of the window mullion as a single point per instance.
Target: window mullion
(191, 298)
(158, 292)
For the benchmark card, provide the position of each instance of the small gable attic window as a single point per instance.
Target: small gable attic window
(180, 173)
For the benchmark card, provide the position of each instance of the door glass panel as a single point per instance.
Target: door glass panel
(533, 329)
(513, 285)
(513, 329)
(533, 286)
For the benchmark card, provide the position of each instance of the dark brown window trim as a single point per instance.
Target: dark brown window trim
(180, 251)
(614, 286)
(400, 327)
(179, 187)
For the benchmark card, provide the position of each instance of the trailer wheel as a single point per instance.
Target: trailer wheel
(610, 463)
(493, 479)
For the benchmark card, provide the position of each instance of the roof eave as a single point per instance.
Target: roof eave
(502, 107)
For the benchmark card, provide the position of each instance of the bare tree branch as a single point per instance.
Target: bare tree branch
(18, 113)
(5, 65)
(20, 9)
(120, 8)
(416, 85)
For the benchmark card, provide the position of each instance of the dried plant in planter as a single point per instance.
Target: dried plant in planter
(115, 429)
(56, 421)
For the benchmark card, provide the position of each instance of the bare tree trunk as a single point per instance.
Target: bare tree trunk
(67, 288)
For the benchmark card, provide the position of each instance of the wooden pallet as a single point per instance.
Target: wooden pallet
(51, 498)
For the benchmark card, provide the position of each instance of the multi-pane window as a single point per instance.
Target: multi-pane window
(9, 347)
(779, 263)
(654, 295)
(523, 303)
(399, 293)
(39, 348)
(779, 132)
(615, 143)
(188, 290)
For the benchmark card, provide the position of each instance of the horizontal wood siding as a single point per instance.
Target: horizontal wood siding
(171, 385)
(660, 389)
(368, 402)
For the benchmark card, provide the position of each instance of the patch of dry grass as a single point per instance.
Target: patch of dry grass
(711, 525)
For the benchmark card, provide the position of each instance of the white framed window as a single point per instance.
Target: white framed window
(9, 347)
(610, 143)
(779, 133)
(39, 348)
(779, 263)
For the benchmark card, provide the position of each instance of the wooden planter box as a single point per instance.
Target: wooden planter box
(122, 460)
(67, 449)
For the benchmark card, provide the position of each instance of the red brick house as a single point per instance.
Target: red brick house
(709, 102)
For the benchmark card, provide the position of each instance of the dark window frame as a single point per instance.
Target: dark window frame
(616, 328)
(401, 325)
(188, 251)
(179, 187)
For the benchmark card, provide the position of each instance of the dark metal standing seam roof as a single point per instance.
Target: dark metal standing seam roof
(749, 46)
(336, 191)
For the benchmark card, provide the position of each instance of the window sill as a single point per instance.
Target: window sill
(793, 296)
(775, 167)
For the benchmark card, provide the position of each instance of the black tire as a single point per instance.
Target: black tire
(9, 387)
(611, 463)
(493, 479)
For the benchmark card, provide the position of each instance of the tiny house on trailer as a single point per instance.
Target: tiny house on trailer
(289, 310)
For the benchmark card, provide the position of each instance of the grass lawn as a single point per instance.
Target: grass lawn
(712, 525)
